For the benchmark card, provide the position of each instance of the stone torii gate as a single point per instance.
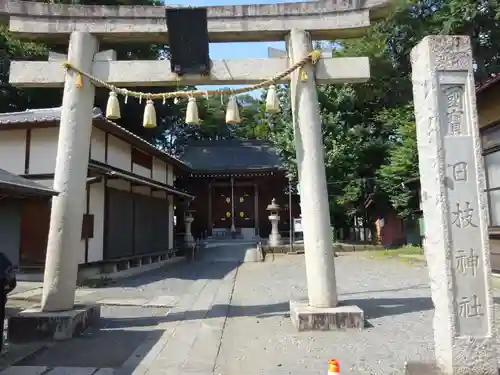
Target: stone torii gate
(85, 27)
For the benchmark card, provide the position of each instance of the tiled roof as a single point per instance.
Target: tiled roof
(212, 155)
(37, 115)
(489, 83)
(231, 155)
(54, 114)
(15, 183)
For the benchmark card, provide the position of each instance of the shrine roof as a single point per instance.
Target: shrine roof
(10, 182)
(232, 155)
(489, 83)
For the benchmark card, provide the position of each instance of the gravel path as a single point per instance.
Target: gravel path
(260, 339)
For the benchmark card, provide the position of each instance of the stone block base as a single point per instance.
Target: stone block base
(421, 368)
(430, 368)
(35, 325)
(307, 318)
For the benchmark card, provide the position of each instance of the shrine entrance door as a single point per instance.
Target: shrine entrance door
(244, 210)
(221, 207)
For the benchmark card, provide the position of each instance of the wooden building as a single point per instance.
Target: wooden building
(233, 182)
(17, 196)
(133, 189)
(488, 110)
(128, 213)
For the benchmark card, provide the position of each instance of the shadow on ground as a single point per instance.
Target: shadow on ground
(216, 311)
(412, 287)
(87, 350)
(373, 308)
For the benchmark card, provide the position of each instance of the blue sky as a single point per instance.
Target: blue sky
(234, 50)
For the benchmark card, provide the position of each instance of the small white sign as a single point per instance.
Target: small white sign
(297, 225)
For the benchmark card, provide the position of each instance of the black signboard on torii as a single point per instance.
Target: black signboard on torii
(188, 40)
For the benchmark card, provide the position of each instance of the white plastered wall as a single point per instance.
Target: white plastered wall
(159, 171)
(13, 150)
(98, 145)
(141, 171)
(43, 150)
(119, 153)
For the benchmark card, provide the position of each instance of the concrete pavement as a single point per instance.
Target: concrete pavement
(219, 316)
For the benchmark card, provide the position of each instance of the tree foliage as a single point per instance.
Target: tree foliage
(368, 129)
(13, 99)
(402, 159)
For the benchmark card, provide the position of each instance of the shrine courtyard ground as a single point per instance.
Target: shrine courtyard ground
(218, 316)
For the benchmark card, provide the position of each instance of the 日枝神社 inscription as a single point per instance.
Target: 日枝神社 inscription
(459, 171)
(467, 261)
(463, 215)
(469, 307)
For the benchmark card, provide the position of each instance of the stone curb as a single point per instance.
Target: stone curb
(104, 279)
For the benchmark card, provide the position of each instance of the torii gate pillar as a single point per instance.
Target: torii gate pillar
(309, 149)
(321, 311)
(61, 267)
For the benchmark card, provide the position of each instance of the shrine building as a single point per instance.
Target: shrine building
(233, 181)
(128, 210)
(136, 194)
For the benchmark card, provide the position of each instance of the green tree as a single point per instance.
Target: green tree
(402, 160)
(13, 99)
(368, 129)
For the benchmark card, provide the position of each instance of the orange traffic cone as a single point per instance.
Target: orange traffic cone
(333, 367)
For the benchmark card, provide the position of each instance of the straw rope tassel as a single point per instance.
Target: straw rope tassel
(272, 100)
(113, 106)
(192, 112)
(232, 113)
(149, 120)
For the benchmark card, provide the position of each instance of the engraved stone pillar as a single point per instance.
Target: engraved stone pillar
(61, 265)
(454, 206)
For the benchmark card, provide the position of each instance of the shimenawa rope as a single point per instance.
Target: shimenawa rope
(312, 57)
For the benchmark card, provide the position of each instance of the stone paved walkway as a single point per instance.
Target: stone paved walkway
(215, 317)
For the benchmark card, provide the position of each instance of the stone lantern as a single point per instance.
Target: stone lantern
(274, 217)
(188, 219)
